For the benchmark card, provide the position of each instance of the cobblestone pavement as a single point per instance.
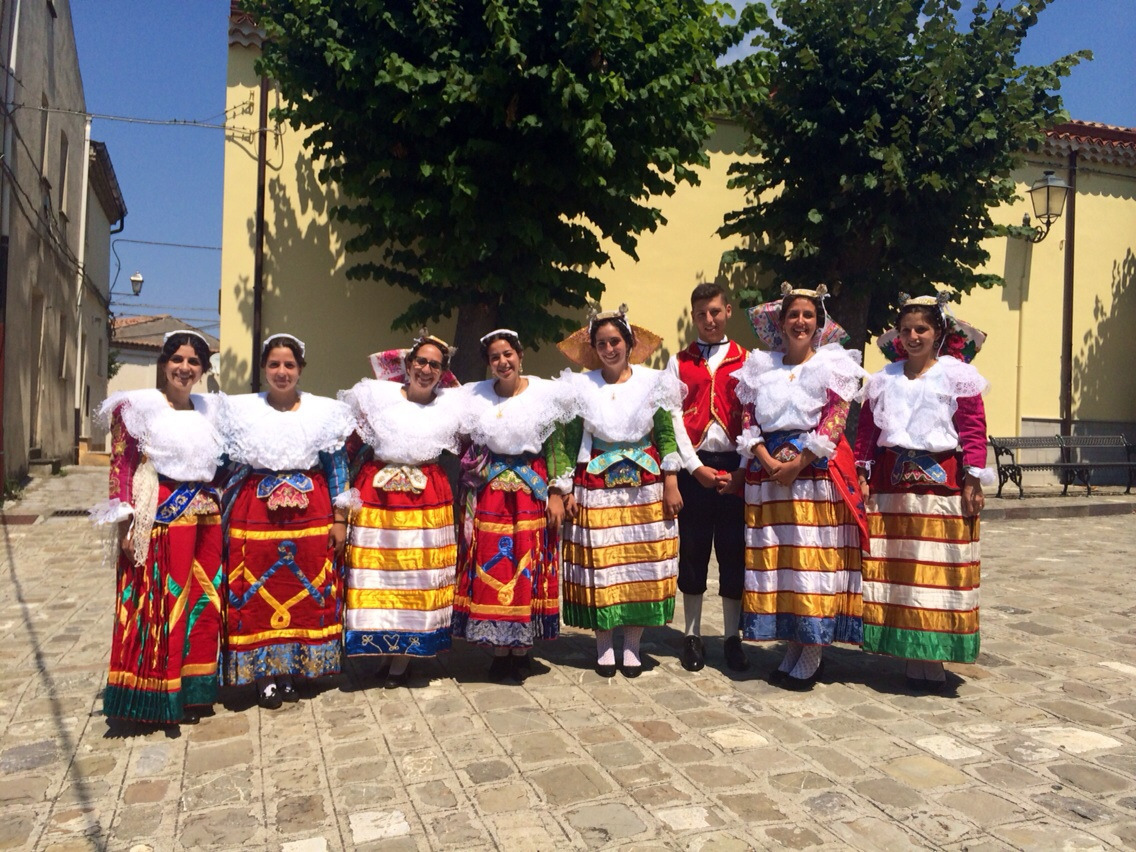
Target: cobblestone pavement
(1037, 750)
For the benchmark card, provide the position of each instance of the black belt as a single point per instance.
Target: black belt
(719, 459)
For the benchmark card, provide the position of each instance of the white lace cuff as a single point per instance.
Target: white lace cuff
(866, 466)
(349, 500)
(672, 463)
(985, 475)
(561, 484)
(110, 511)
(819, 445)
(750, 436)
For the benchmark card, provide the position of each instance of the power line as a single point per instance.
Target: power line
(173, 245)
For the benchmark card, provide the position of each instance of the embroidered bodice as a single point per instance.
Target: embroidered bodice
(401, 431)
(182, 445)
(919, 414)
(264, 438)
(518, 424)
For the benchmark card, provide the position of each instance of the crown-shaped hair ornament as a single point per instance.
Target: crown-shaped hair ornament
(595, 315)
(787, 289)
(961, 339)
(577, 347)
(424, 336)
(766, 319)
(939, 300)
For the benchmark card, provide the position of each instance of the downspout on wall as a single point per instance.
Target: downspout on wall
(13, 28)
(258, 251)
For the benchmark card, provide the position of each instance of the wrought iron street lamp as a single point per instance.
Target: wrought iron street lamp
(1048, 195)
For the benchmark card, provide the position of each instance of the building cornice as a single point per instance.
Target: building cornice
(1093, 142)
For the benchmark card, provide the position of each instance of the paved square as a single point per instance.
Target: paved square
(1036, 751)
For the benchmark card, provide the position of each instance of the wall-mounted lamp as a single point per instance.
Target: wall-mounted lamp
(136, 278)
(1048, 196)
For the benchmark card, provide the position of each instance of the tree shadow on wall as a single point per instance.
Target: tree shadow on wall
(1100, 375)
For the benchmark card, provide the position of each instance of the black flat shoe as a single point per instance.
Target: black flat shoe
(802, 684)
(916, 684)
(735, 654)
(693, 657)
(776, 676)
(632, 671)
(270, 698)
(521, 666)
(394, 681)
(500, 668)
(606, 670)
(288, 693)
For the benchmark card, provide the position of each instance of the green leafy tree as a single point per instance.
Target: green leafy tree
(889, 135)
(487, 148)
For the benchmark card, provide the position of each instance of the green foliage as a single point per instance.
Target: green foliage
(486, 146)
(889, 135)
(113, 364)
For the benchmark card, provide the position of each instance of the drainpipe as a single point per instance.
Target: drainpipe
(80, 280)
(258, 257)
(13, 28)
(1067, 301)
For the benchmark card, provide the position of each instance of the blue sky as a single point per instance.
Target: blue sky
(166, 60)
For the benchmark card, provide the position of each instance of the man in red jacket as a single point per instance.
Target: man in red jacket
(713, 419)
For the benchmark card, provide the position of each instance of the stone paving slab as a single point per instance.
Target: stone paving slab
(1035, 749)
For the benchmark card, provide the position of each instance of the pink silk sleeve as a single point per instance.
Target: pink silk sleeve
(125, 457)
(970, 423)
(833, 417)
(867, 435)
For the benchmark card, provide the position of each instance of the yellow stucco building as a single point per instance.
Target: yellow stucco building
(305, 289)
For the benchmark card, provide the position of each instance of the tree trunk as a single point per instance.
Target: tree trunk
(852, 313)
(474, 322)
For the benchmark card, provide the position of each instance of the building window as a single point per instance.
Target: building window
(64, 149)
(52, 15)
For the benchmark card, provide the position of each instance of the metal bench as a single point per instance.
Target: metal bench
(1072, 466)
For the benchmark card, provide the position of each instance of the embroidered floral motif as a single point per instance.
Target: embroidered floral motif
(622, 474)
(285, 495)
(400, 478)
(786, 453)
(509, 481)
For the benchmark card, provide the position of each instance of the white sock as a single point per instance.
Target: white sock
(731, 616)
(500, 651)
(605, 653)
(808, 662)
(631, 637)
(792, 654)
(692, 611)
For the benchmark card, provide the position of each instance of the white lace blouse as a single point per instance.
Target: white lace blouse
(264, 438)
(919, 413)
(401, 431)
(792, 397)
(181, 445)
(517, 424)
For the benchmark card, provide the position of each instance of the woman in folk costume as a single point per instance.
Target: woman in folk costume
(508, 585)
(284, 617)
(805, 520)
(401, 549)
(166, 448)
(921, 447)
(621, 546)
